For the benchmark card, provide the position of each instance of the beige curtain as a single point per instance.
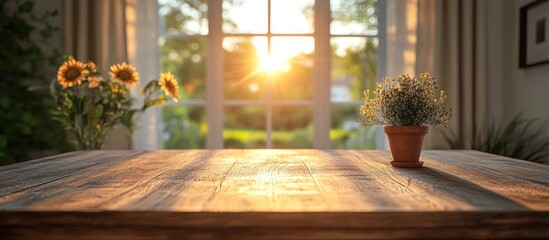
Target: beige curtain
(95, 30)
(446, 38)
(108, 32)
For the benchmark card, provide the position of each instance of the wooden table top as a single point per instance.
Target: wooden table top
(272, 194)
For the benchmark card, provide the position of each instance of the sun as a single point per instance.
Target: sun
(272, 63)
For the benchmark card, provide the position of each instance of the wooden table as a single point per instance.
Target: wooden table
(266, 194)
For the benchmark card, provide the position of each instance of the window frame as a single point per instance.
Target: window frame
(215, 102)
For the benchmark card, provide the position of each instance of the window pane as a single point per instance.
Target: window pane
(186, 17)
(292, 127)
(347, 132)
(290, 67)
(186, 59)
(292, 16)
(354, 63)
(184, 127)
(245, 16)
(241, 76)
(353, 17)
(244, 127)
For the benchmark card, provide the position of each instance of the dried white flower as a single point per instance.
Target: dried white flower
(405, 101)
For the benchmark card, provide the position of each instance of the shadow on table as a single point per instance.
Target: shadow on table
(458, 189)
(428, 183)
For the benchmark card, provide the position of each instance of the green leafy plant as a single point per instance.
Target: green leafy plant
(405, 101)
(521, 138)
(24, 61)
(90, 106)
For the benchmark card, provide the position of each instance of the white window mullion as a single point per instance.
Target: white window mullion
(214, 66)
(269, 106)
(322, 76)
(381, 5)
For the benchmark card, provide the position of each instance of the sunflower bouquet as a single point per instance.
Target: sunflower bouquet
(90, 106)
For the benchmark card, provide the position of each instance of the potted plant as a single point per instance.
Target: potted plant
(405, 106)
(90, 106)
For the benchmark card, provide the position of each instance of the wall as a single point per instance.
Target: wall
(41, 7)
(512, 90)
(527, 88)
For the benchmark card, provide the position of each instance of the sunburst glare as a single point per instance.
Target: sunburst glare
(271, 63)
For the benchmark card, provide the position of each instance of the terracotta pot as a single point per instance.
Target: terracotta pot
(405, 143)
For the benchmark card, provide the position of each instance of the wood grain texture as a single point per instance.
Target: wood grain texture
(265, 194)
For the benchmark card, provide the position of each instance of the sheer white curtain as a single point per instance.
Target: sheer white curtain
(108, 32)
(143, 53)
(446, 38)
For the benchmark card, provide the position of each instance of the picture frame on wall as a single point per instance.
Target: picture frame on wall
(534, 34)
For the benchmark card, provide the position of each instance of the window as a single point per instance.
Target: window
(268, 73)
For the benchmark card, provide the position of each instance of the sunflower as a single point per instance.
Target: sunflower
(91, 66)
(116, 88)
(125, 73)
(71, 72)
(169, 85)
(94, 81)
